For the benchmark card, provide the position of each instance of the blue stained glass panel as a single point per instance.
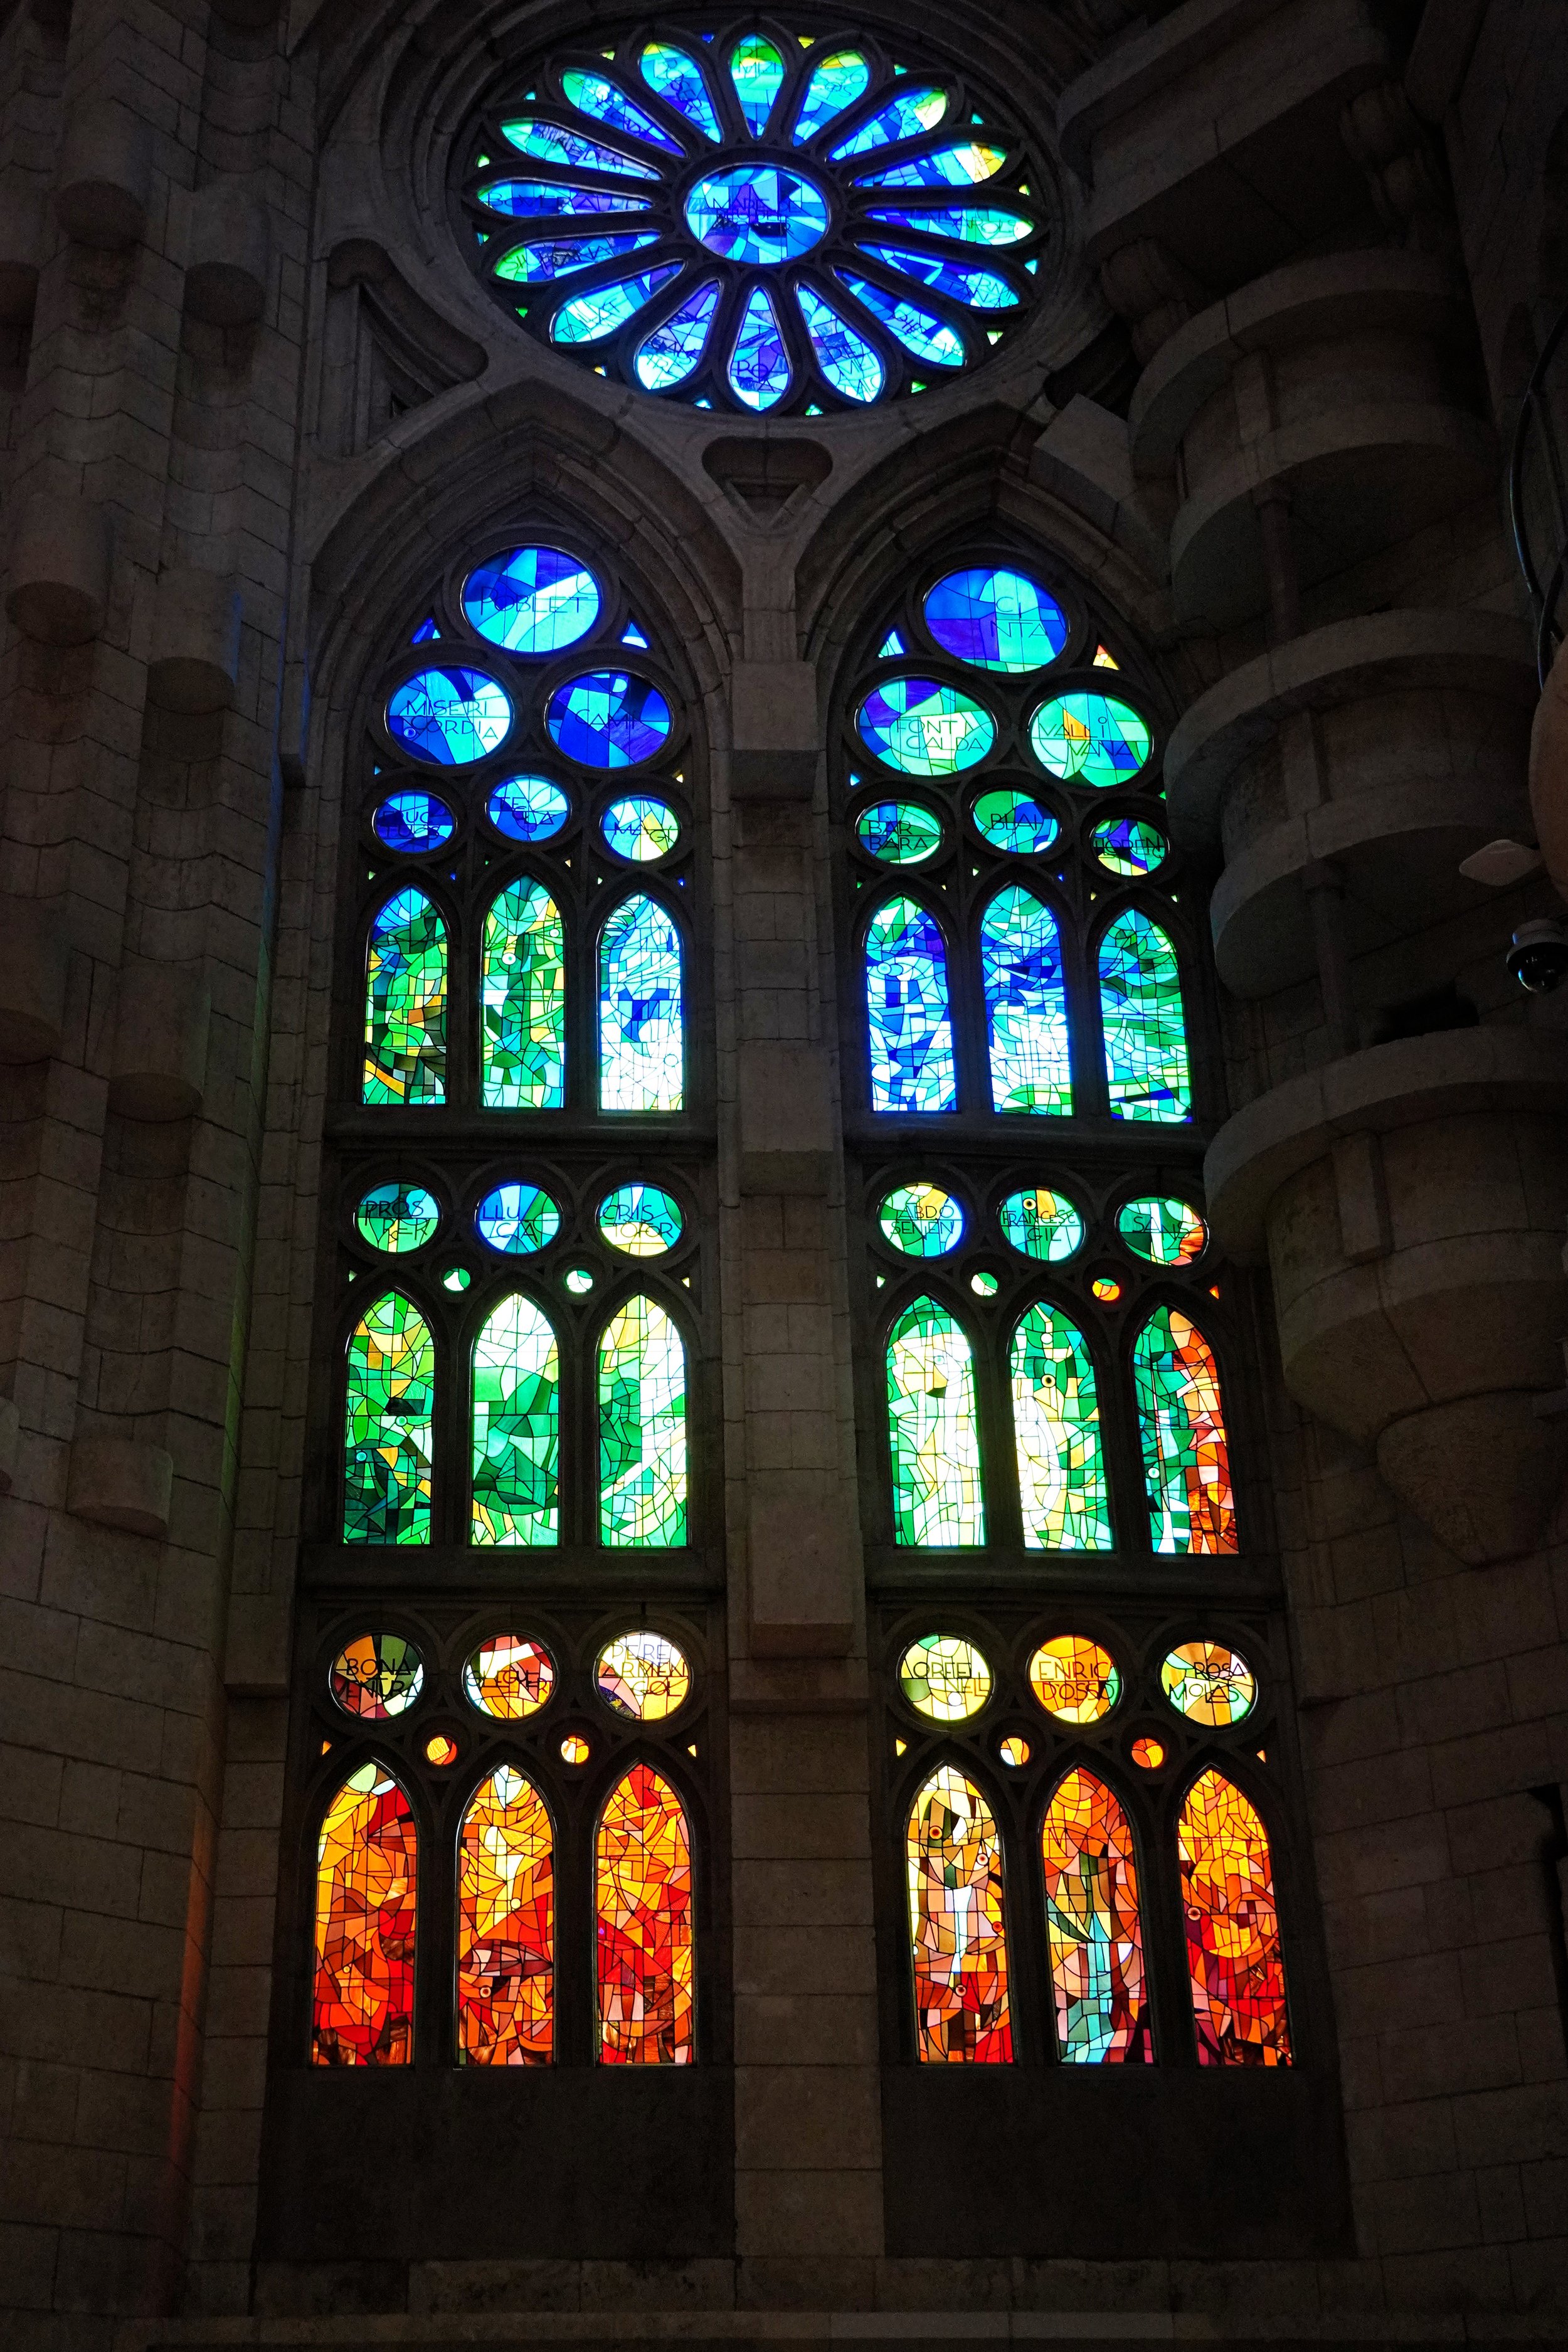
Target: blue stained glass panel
(588, 318)
(548, 142)
(981, 288)
(1146, 1063)
(946, 167)
(668, 355)
(1127, 845)
(640, 829)
(757, 213)
(605, 101)
(970, 224)
(903, 117)
(410, 821)
(757, 71)
(758, 364)
(540, 200)
(923, 728)
(920, 331)
(532, 599)
(449, 716)
(528, 808)
(1026, 1005)
(996, 619)
(892, 647)
(909, 1022)
(1015, 822)
(517, 1218)
(641, 1011)
(900, 832)
(846, 359)
(837, 82)
(561, 257)
(678, 79)
(608, 718)
(424, 632)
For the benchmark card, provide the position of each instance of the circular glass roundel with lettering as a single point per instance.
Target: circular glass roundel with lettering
(900, 832)
(1091, 740)
(924, 729)
(517, 1218)
(765, 226)
(995, 619)
(509, 1677)
(376, 1677)
(1128, 846)
(410, 823)
(640, 829)
(532, 599)
(1040, 1223)
(1162, 1230)
(1075, 1679)
(642, 1676)
(398, 1218)
(945, 1678)
(528, 808)
(1209, 1683)
(450, 716)
(643, 1220)
(608, 718)
(1015, 822)
(921, 1220)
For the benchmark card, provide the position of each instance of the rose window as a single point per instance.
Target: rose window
(754, 221)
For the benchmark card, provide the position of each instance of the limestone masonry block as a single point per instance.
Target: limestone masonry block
(804, 1564)
(121, 1482)
(195, 664)
(161, 1030)
(786, 1123)
(775, 747)
(226, 267)
(59, 568)
(105, 175)
(34, 953)
(9, 1437)
(21, 255)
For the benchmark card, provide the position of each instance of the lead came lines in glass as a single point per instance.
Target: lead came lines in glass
(933, 1430)
(1056, 1426)
(522, 1001)
(642, 1428)
(641, 1021)
(1095, 1934)
(516, 1427)
(1025, 1006)
(506, 1926)
(907, 1010)
(958, 1927)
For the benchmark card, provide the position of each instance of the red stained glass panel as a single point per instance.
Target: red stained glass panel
(1234, 1959)
(957, 1923)
(643, 1903)
(367, 1867)
(506, 1926)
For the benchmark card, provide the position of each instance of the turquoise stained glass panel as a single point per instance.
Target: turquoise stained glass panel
(669, 355)
(1128, 846)
(909, 1022)
(905, 116)
(933, 1430)
(758, 364)
(1015, 822)
(548, 142)
(532, 599)
(397, 1218)
(516, 1427)
(983, 289)
(921, 1220)
(970, 224)
(641, 1220)
(1146, 1065)
(845, 358)
(678, 79)
(837, 81)
(588, 318)
(523, 991)
(996, 620)
(642, 1428)
(761, 214)
(963, 166)
(448, 716)
(757, 71)
(919, 331)
(1089, 739)
(1161, 1229)
(641, 1011)
(1026, 1005)
(605, 101)
(528, 808)
(924, 729)
(900, 832)
(1040, 1223)
(517, 1220)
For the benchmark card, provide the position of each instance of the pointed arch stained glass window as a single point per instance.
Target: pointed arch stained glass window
(1056, 1431)
(1026, 1005)
(405, 1004)
(388, 1418)
(1234, 1963)
(506, 1924)
(1146, 1067)
(1186, 1454)
(516, 1427)
(958, 1932)
(933, 1430)
(642, 1427)
(911, 1030)
(644, 1923)
(522, 995)
(642, 1039)
(367, 1868)
(1092, 1925)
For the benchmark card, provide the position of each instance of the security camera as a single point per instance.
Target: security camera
(1538, 957)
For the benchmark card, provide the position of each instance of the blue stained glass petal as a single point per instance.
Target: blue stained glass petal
(970, 224)
(846, 359)
(410, 821)
(675, 347)
(919, 330)
(517, 1218)
(835, 84)
(1015, 822)
(532, 599)
(641, 1016)
(996, 619)
(587, 318)
(548, 142)
(757, 213)
(908, 1024)
(757, 71)
(559, 256)
(449, 716)
(945, 167)
(605, 101)
(608, 718)
(758, 364)
(981, 288)
(904, 117)
(1026, 1005)
(678, 79)
(528, 808)
(539, 200)
(923, 728)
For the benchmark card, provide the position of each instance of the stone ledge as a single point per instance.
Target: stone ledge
(1142, 68)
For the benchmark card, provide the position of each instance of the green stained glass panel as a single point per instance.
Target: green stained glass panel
(522, 1001)
(1055, 1433)
(643, 1220)
(1015, 822)
(387, 1425)
(923, 728)
(933, 1430)
(1026, 1005)
(397, 1218)
(516, 1427)
(1161, 1229)
(921, 1220)
(1146, 1067)
(1089, 739)
(405, 1004)
(1041, 1224)
(900, 832)
(1180, 1424)
(642, 1428)
(642, 1048)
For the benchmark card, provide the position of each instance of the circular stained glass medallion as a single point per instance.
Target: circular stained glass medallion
(398, 1218)
(1089, 739)
(441, 1750)
(1073, 1679)
(900, 832)
(517, 1218)
(1040, 1223)
(528, 808)
(640, 1219)
(996, 620)
(412, 821)
(509, 1677)
(923, 728)
(1209, 1683)
(376, 1677)
(1128, 846)
(1014, 1751)
(642, 1676)
(640, 829)
(921, 1220)
(945, 1678)
(608, 718)
(532, 599)
(1147, 1754)
(1015, 822)
(888, 229)
(1162, 1230)
(449, 716)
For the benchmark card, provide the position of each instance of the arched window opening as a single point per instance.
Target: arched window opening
(405, 1004)
(522, 992)
(1056, 1433)
(1146, 1068)
(1092, 1925)
(1234, 1959)
(367, 1869)
(643, 1907)
(642, 1427)
(387, 1425)
(957, 1924)
(506, 1926)
(1180, 1422)
(516, 1427)
(933, 1430)
(642, 1026)
(909, 1022)
(1026, 1005)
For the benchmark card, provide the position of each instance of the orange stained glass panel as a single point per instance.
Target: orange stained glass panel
(1234, 1959)
(1186, 1454)
(957, 1923)
(506, 1926)
(367, 1867)
(1091, 1921)
(643, 1908)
